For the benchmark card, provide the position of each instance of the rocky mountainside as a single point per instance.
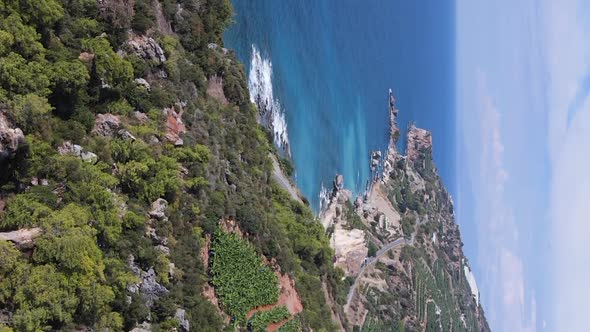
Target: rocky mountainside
(137, 190)
(399, 246)
(139, 193)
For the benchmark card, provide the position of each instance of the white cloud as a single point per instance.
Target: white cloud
(504, 273)
(570, 215)
(568, 65)
(568, 62)
(521, 315)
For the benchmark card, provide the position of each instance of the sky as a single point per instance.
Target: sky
(523, 133)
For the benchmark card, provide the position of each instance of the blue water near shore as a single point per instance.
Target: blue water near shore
(333, 63)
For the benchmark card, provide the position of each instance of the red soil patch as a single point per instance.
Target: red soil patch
(288, 297)
(174, 126)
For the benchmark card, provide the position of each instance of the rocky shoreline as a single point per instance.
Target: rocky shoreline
(405, 208)
(270, 114)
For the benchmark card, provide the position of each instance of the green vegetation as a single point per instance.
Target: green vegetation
(60, 67)
(434, 293)
(261, 319)
(373, 324)
(242, 282)
(372, 248)
(353, 220)
(408, 225)
(293, 325)
(287, 166)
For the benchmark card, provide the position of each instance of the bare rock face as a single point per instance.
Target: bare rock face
(147, 285)
(21, 237)
(215, 47)
(338, 182)
(392, 153)
(375, 160)
(11, 138)
(419, 143)
(144, 83)
(174, 126)
(350, 249)
(86, 57)
(147, 48)
(184, 323)
(393, 129)
(156, 214)
(158, 210)
(140, 117)
(215, 89)
(106, 125)
(143, 327)
(68, 147)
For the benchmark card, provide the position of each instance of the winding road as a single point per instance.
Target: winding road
(372, 260)
(282, 180)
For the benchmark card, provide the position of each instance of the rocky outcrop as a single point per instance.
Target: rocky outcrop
(174, 126)
(147, 286)
(394, 133)
(215, 89)
(68, 147)
(144, 83)
(158, 214)
(143, 327)
(146, 48)
(161, 22)
(109, 125)
(349, 244)
(11, 138)
(375, 160)
(86, 57)
(158, 210)
(184, 323)
(393, 128)
(332, 201)
(22, 237)
(350, 249)
(140, 117)
(419, 143)
(106, 125)
(215, 47)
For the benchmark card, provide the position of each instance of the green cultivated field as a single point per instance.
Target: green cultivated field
(241, 280)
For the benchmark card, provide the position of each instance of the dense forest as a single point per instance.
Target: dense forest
(126, 169)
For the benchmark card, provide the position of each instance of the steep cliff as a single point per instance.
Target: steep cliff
(399, 246)
(137, 191)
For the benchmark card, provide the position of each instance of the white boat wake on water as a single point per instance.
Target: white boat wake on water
(271, 114)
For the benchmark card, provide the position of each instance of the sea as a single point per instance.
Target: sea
(325, 68)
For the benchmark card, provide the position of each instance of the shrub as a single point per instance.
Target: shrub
(261, 319)
(29, 111)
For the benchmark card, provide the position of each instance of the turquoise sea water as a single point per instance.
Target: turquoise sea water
(332, 65)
